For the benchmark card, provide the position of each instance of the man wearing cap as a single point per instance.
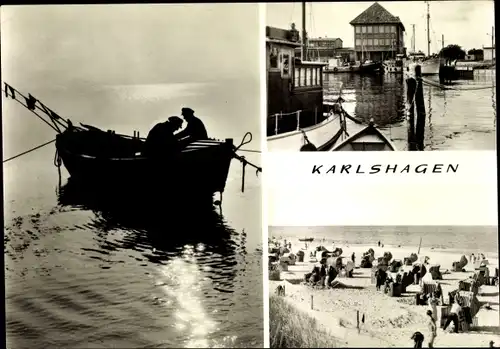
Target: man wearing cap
(161, 140)
(195, 129)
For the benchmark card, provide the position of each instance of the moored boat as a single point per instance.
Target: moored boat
(307, 239)
(92, 155)
(368, 139)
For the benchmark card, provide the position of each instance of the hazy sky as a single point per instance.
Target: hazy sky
(130, 43)
(466, 23)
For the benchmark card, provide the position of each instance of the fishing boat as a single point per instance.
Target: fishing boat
(306, 239)
(368, 139)
(336, 65)
(90, 154)
(296, 119)
(114, 162)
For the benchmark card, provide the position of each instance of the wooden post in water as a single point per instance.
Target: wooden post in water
(420, 106)
(411, 84)
(357, 320)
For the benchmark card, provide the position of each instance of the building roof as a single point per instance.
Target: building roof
(376, 14)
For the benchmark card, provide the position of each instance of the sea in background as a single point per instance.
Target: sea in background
(461, 239)
(455, 119)
(76, 277)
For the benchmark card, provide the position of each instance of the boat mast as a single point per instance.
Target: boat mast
(428, 32)
(303, 52)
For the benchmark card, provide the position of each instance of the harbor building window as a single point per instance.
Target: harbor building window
(364, 42)
(381, 29)
(387, 29)
(393, 29)
(286, 65)
(370, 29)
(375, 42)
(370, 42)
(387, 42)
(375, 29)
(302, 76)
(315, 77)
(364, 29)
(297, 77)
(358, 42)
(358, 30)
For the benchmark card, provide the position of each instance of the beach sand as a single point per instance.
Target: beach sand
(389, 321)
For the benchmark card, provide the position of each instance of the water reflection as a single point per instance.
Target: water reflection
(379, 97)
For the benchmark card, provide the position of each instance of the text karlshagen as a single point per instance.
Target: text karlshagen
(385, 169)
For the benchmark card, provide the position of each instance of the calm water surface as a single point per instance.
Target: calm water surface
(77, 276)
(455, 119)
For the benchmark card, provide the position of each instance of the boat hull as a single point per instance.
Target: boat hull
(109, 161)
(429, 67)
(321, 135)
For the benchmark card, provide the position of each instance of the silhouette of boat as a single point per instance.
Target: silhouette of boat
(307, 239)
(368, 139)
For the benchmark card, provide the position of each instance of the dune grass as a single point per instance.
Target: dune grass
(290, 328)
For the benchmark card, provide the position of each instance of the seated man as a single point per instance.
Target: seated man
(161, 140)
(195, 129)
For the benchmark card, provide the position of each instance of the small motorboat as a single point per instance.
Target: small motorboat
(368, 139)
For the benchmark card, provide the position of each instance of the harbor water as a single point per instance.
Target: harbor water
(461, 239)
(79, 277)
(461, 118)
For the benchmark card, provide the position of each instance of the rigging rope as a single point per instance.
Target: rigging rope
(29, 151)
(243, 160)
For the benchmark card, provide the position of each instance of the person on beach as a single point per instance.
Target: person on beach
(433, 302)
(379, 244)
(195, 129)
(418, 337)
(472, 258)
(353, 257)
(432, 327)
(453, 315)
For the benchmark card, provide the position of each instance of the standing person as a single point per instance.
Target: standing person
(418, 337)
(433, 302)
(195, 129)
(353, 257)
(453, 316)
(379, 243)
(432, 327)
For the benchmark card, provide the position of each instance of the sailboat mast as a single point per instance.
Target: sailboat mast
(303, 54)
(428, 31)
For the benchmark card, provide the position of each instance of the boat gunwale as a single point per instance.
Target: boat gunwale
(361, 133)
(331, 117)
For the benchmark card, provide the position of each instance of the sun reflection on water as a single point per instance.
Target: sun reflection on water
(183, 283)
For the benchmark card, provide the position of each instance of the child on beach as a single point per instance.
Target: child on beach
(418, 337)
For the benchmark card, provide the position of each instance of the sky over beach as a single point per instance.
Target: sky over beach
(466, 23)
(120, 44)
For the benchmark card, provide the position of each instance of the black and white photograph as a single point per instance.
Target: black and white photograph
(132, 175)
(383, 286)
(380, 76)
